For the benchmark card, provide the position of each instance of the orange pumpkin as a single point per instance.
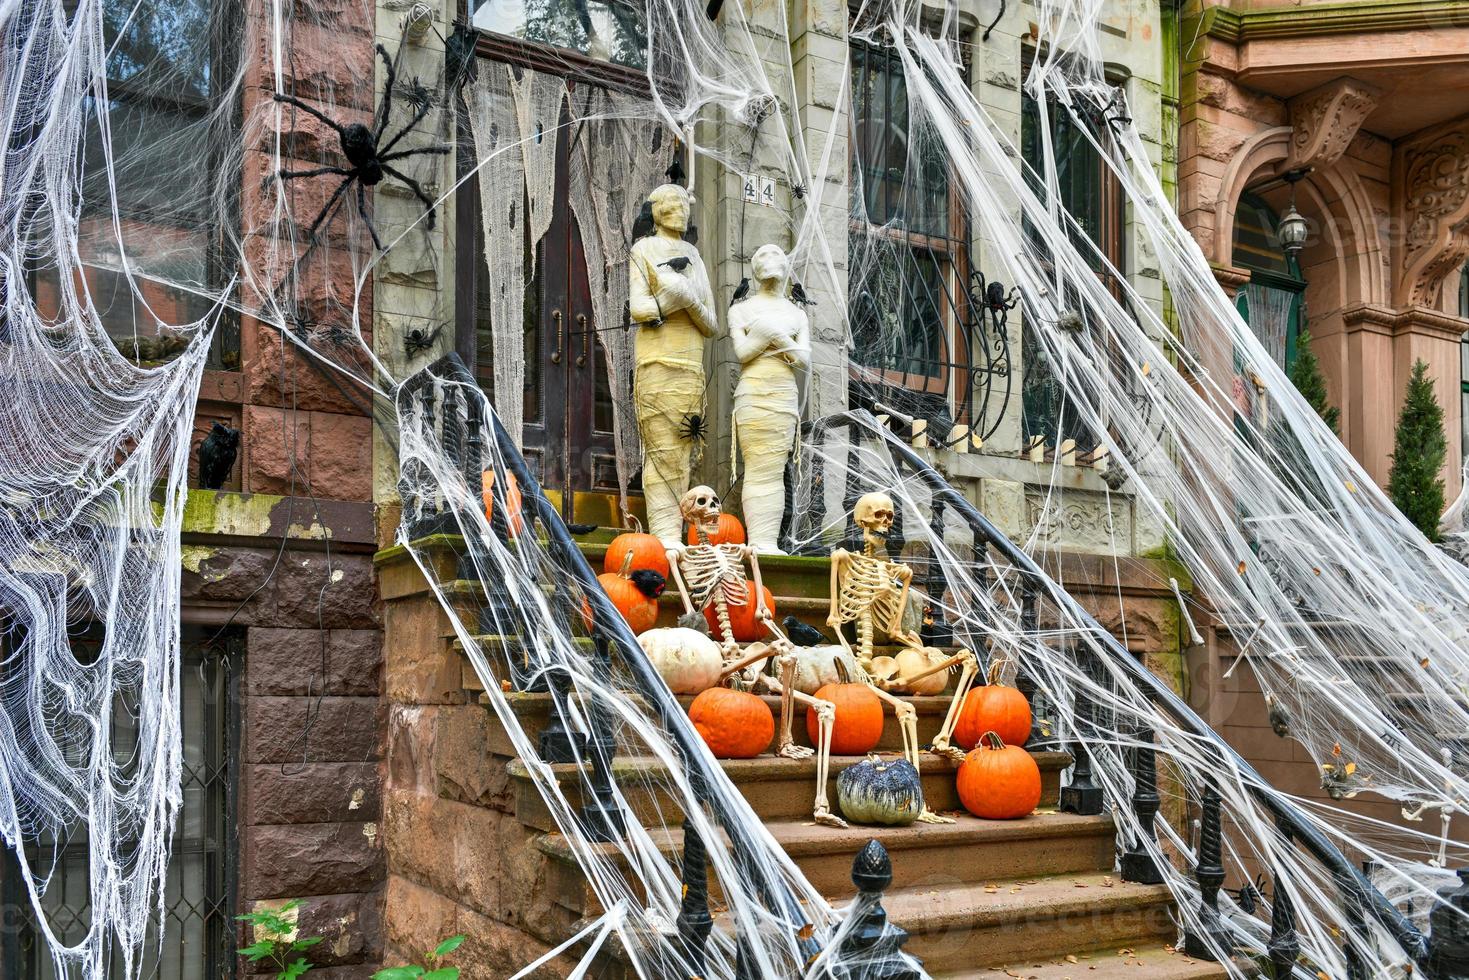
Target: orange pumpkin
(635, 594)
(513, 500)
(858, 725)
(742, 621)
(993, 707)
(730, 531)
(647, 552)
(734, 724)
(999, 781)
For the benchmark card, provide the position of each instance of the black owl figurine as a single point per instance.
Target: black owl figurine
(217, 455)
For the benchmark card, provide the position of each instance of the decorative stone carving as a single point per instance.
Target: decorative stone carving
(1433, 175)
(1080, 520)
(1325, 120)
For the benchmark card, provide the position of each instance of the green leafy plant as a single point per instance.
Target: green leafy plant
(1305, 374)
(431, 970)
(271, 927)
(1419, 451)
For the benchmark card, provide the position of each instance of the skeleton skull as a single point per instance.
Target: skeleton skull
(700, 507)
(874, 513)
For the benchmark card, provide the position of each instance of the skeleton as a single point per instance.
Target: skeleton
(866, 589)
(713, 574)
(873, 593)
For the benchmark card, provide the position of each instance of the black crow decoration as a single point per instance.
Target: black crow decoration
(217, 455)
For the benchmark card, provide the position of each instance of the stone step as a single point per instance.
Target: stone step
(777, 788)
(1148, 961)
(533, 711)
(1046, 843)
(963, 926)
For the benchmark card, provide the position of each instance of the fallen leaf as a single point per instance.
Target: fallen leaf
(1241, 568)
(806, 932)
(1071, 958)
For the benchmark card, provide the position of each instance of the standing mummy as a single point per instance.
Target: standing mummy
(670, 300)
(772, 338)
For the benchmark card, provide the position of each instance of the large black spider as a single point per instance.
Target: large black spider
(368, 163)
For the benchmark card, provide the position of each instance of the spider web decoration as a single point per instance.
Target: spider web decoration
(369, 158)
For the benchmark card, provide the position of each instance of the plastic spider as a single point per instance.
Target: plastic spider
(369, 162)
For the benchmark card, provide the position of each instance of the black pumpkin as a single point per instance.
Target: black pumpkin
(878, 792)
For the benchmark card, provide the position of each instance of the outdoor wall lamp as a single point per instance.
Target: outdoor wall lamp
(1293, 230)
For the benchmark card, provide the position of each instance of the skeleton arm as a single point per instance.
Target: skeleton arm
(895, 626)
(838, 567)
(683, 592)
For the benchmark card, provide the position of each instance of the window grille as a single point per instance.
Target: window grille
(199, 938)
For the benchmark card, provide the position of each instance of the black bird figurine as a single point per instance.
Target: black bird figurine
(581, 528)
(741, 291)
(678, 263)
(798, 295)
(675, 172)
(648, 582)
(217, 455)
(802, 634)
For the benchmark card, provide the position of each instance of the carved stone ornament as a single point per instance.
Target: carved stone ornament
(1326, 119)
(1435, 192)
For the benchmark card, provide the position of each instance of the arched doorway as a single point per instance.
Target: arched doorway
(1273, 302)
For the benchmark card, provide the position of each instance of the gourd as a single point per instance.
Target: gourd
(858, 725)
(878, 792)
(635, 594)
(515, 520)
(993, 707)
(742, 621)
(647, 552)
(816, 667)
(734, 724)
(729, 531)
(998, 781)
(687, 660)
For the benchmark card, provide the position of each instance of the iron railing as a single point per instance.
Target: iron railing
(433, 397)
(1441, 954)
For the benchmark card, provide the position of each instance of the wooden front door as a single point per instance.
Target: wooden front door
(568, 429)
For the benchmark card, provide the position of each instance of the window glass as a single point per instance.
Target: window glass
(907, 252)
(608, 30)
(168, 166)
(1090, 192)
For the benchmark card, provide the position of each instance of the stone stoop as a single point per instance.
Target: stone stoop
(471, 846)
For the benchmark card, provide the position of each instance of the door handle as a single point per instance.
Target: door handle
(586, 339)
(556, 352)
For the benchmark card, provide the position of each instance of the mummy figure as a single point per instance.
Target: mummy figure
(713, 575)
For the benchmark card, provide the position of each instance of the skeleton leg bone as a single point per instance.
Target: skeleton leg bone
(941, 744)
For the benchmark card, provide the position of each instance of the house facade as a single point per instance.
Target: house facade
(290, 716)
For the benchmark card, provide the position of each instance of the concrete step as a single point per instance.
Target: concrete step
(1142, 962)
(777, 788)
(1047, 843)
(964, 926)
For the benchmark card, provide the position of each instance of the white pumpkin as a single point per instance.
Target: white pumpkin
(816, 667)
(687, 660)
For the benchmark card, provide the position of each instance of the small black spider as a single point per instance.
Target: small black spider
(799, 190)
(419, 340)
(693, 428)
(369, 163)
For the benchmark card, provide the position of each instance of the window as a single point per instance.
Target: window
(605, 30)
(908, 252)
(175, 189)
(198, 929)
(1091, 193)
